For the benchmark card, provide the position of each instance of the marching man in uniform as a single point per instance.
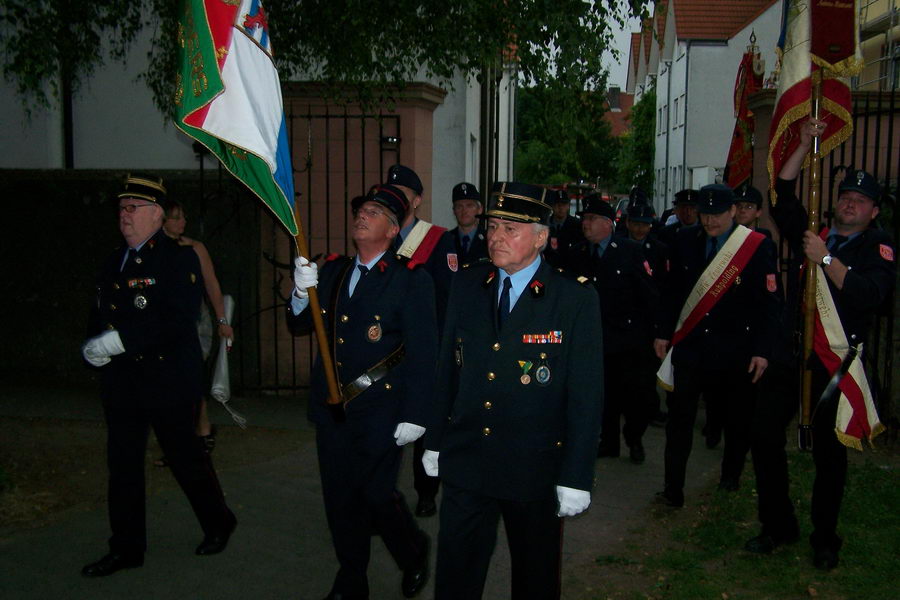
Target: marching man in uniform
(856, 273)
(514, 427)
(720, 308)
(146, 348)
(381, 319)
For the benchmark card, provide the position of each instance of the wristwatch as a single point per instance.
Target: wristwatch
(826, 260)
(224, 321)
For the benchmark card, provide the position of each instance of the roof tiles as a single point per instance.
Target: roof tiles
(716, 19)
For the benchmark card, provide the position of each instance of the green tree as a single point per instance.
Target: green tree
(635, 164)
(561, 135)
(368, 46)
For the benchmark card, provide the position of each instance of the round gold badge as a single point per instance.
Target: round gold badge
(373, 334)
(525, 379)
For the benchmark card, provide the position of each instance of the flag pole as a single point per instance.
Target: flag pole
(805, 438)
(334, 400)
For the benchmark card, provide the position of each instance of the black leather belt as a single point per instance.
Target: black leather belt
(362, 383)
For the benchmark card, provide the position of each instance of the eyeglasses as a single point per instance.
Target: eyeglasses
(130, 208)
(370, 212)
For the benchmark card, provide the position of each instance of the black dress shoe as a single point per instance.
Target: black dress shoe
(729, 484)
(825, 558)
(213, 544)
(414, 579)
(773, 537)
(669, 499)
(426, 507)
(637, 454)
(111, 563)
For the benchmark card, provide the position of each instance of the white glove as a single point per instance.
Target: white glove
(571, 501)
(99, 348)
(306, 275)
(408, 432)
(430, 462)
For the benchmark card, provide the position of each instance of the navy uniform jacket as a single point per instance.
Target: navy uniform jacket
(629, 298)
(742, 324)
(869, 258)
(560, 240)
(447, 259)
(391, 305)
(477, 245)
(657, 254)
(497, 435)
(154, 304)
(669, 233)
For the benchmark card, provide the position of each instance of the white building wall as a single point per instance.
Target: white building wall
(450, 148)
(35, 143)
(699, 106)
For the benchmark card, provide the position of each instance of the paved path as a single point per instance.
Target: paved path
(281, 548)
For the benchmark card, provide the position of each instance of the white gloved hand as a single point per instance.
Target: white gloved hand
(306, 275)
(571, 501)
(99, 348)
(430, 462)
(408, 432)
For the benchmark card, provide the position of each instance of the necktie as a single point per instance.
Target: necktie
(713, 247)
(363, 270)
(835, 241)
(465, 244)
(128, 252)
(503, 308)
(595, 251)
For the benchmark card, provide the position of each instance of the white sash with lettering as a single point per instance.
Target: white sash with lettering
(713, 282)
(856, 414)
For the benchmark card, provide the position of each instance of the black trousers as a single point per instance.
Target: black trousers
(732, 390)
(770, 461)
(468, 534)
(358, 464)
(128, 421)
(629, 391)
(426, 485)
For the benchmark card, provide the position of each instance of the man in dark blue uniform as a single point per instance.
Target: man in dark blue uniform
(685, 209)
(518, 402)
(640, 220)
(857, 260)
(629, 305)
(748, 201)
(380, 316)
(145, 345)
(565, 230)
(467, 237)
(720, 307)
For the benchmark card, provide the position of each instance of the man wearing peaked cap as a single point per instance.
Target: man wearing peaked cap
(468, 236)
(514, 426)
(629, 303)
(720, 306)
(417, 238)
(565, 229)
(685, 211)
(147, 352)
(380, 316)
(748, 201)
(856, 271)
